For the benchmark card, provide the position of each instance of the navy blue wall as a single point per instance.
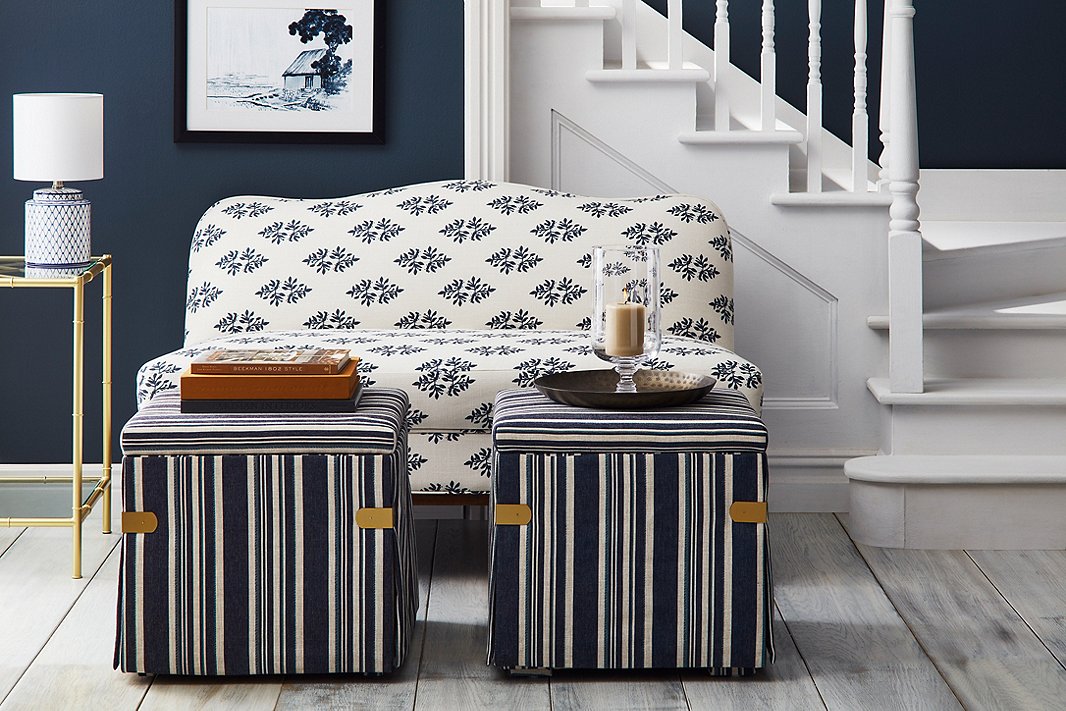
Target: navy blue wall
(154, 190)
(991, 90)
(991, 76)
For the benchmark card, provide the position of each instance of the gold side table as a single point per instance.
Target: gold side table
(15, 274)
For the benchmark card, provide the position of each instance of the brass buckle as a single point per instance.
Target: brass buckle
(513, 514)
(368, 517)
(139, 522)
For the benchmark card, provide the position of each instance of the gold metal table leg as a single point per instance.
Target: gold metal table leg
(76, 426)
(106, 424)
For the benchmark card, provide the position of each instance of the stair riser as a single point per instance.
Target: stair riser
(995, 354)
(976, 429)
(990, 276)
(958, 516)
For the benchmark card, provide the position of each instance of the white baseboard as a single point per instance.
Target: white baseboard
(810, 482)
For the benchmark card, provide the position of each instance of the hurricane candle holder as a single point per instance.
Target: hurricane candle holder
(626, 324)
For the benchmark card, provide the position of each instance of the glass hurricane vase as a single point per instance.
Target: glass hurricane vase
(626, 330)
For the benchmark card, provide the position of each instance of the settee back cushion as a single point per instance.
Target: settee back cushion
(451, 254)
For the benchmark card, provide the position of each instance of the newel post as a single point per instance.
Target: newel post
(486, 85)
(904, 236)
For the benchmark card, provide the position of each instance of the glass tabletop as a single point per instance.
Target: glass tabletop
(14, 269)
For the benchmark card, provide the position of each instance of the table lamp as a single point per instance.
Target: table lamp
(57, 138)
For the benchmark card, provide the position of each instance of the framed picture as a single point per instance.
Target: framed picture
(274, 71)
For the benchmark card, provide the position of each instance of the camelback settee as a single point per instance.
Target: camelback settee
(451, 291)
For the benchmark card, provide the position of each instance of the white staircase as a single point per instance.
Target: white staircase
(978, 458)
(958, 396)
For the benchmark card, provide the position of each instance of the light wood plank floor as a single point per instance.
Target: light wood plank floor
(856, 628)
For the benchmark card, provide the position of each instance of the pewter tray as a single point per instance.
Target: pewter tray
(595, 388)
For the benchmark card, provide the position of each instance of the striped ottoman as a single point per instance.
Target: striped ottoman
(266, 543)
(629, 539)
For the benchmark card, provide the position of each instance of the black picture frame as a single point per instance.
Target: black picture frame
(375, 134)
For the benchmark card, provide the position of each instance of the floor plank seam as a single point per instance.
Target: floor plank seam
(684, 691)
(425, 613)
(13, 542)
(899, 614)
(61, 619)
(803, 659)
(1015, 610)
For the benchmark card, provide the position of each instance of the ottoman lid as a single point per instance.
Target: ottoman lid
(374, 428)
(525, 420)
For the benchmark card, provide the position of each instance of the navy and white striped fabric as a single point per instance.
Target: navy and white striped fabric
(258, 567)
(631, 559)
(161, 428)
(525, 420)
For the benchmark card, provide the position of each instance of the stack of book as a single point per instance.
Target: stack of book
(315, 380)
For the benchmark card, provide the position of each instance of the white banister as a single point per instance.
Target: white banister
(886, 96)
(904, 236)
(768, 70)
(487, 89)
(814, 97)
(721, 65)
(629, 34)
(860, 121)
(674, 36)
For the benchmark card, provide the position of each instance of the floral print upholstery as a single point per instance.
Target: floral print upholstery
(451, 291)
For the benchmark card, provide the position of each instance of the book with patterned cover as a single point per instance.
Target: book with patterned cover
(311, 361)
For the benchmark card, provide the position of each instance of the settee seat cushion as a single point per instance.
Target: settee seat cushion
(452, 377)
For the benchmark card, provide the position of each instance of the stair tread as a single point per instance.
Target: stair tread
(947, 236)
(562, 13)
(975, 391)
(958, 469)
(746, 137)
(1045, 311)
(838, 198)
(651, 71)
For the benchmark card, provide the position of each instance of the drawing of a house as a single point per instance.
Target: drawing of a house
(300, 74)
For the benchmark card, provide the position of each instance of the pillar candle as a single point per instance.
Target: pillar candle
(624, 329)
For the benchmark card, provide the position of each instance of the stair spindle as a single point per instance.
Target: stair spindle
(768, 70)
(886, 96)
(721, 65)
(904, 235)
(814, 97)
(860, 121)
(674, 38)
(629, 34)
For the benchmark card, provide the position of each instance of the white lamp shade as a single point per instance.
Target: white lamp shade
(59, 137)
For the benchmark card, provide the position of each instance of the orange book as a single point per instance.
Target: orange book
(270, 387)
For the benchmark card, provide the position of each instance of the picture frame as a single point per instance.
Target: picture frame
(273, 71)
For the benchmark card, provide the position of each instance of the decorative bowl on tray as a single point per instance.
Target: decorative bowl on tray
(597, 388)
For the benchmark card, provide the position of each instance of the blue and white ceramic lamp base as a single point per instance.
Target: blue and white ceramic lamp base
(58, 229)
